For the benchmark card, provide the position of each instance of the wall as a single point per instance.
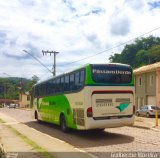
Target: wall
(146, 89)
(158, 87)
(140, 90)
(24, 101)
(151, 87)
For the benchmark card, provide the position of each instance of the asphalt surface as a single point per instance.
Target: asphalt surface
(124, 139)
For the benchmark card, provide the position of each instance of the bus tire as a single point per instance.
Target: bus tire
(98, 130)
(63, 124)
(36, 116)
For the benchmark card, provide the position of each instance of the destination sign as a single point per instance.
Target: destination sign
(97, 71)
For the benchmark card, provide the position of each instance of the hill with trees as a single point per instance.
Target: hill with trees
(141, 52)
(11, 87)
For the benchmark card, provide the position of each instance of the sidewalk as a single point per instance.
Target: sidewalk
(141, 122)
(14, 146)
(55, 147)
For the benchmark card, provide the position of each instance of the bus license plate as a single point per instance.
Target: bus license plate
(113, 117)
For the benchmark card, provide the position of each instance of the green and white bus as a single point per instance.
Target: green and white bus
(95, 96)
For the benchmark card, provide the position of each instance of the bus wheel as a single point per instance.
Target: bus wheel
(98, 130)
(63, 123)
(36, 116)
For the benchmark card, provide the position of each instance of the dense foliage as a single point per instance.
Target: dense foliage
(11, 87)
(141, 52)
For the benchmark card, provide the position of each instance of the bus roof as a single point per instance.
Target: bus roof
(84, 66)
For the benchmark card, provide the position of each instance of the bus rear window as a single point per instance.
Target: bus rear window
(110, 73)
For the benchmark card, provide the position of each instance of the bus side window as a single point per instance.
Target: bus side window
(71, 82)
(42, 90)
(77, 85)
(53, 86)
(35, 91)
(38, 90)
(57, 85)
(49, 86)
(62, 84)
(66, 85)
(82, 77)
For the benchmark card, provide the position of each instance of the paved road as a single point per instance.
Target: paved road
(150, 120)
(124, 139)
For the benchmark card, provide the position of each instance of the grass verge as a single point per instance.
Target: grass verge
(1, 121)
(44, 153)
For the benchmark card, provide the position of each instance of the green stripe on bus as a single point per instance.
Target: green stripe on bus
(51, 108)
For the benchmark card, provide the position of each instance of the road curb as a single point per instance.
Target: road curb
(147, 125)
(142, 127)
(156, 129)
(24, 109)
(50, 144)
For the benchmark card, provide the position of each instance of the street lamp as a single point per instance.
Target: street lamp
(37, 60)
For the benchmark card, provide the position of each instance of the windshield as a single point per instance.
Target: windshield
(155, 108)
(111, 73)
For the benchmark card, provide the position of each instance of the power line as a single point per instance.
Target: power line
(37, 60)
(112, 47)
(116, 46)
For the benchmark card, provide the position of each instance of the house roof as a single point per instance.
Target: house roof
(147, 68)
(8, 101)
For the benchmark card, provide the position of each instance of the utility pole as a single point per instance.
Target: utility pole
(5, 94)
(5, 89)
(21, 90)
(54, 64)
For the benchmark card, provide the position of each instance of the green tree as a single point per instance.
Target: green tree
(132, 54)
(142, 57)
(116, 57)
(30, 84)
(11, 87)
(154, 53)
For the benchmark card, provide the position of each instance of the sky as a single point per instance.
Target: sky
(77, 29)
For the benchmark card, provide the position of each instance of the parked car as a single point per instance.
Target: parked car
(12, 105)
(148, 110)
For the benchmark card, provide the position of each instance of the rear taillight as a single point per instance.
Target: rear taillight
(89, 112)
(133, 109)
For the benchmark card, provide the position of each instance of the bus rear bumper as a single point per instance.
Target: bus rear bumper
(109, 123)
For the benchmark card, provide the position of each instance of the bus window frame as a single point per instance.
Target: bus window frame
(57, 85)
